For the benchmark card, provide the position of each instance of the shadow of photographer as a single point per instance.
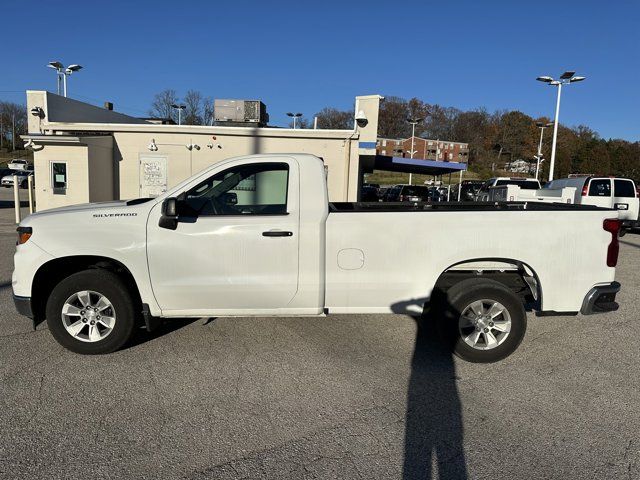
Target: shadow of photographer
(433, 441)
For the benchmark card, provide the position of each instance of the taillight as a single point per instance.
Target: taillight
(585, 190)
(612, 225)
(24, 234)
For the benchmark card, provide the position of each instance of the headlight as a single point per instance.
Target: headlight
(24, 234)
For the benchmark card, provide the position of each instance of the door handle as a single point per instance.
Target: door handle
(277, 233)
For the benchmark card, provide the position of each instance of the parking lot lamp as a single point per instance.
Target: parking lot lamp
(413, 122)
(58, 67)
(68, 71)
(294, 116)
(565, 79)
(179, 107)
(541, 126)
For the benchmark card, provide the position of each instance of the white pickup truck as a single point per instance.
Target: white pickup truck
(257, 236)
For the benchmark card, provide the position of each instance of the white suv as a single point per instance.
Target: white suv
(608, 192)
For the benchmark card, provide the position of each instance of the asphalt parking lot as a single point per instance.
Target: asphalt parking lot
(365, 396)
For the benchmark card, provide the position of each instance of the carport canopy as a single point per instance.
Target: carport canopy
(409, 165)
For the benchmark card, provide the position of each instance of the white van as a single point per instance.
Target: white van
(608, 192)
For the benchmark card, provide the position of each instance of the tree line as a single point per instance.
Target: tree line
(503, 136)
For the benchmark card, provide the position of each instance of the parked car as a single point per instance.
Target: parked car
(408, 193)
(468, 190)
(369, 193)
(282, 249)
(609, 192)
(19, 164)
(523, 183)
(23, 182)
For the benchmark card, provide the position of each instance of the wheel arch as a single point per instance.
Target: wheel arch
(52, 272)
(451, 275)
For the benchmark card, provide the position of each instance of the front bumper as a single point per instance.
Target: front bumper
(601, 299)
(23, 305)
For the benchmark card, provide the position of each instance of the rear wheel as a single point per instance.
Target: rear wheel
(482, 319)
(91, 312)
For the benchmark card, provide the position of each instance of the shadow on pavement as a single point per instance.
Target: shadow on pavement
(630, 244)
(166, 327)
(433, 428)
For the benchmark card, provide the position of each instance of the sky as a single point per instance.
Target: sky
(303, 56)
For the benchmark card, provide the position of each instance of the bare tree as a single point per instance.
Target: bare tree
(301, 123)
(161, 105)
(13, 118)
(332, 118)
(207, 111)
(193, 111)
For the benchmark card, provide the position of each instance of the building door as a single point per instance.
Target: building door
(153, 175)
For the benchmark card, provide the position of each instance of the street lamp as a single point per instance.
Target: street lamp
(179, 107)
(59, 68)
(538, 157)
(63, 72)
(294, 116)
(413, 121)
(565, 79)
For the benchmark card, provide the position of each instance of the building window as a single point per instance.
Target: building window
(384, 143)
(59, 178)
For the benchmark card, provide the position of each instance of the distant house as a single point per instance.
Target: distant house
(520, 166)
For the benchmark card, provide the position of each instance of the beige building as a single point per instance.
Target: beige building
(85, 154)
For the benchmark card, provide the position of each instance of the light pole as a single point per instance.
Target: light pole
(413, 121)
(541, 126)
(565, 79)
(179, 107)
(59, 68)
(63, 72)
(68, 71)
(294, 116)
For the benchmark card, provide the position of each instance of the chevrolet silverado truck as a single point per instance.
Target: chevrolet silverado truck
(257, 236)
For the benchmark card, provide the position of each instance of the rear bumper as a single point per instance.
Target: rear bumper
(23, 305)
(601, 299)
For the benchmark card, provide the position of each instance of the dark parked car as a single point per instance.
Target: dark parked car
(469, 190)
(369, 193)
(408, 193)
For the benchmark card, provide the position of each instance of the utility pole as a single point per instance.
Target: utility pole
(13, 130)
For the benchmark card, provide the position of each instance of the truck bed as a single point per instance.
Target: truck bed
(338, 207)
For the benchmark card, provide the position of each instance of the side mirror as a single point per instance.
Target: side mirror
(169, 218)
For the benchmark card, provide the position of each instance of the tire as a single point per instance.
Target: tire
(464, 314)
(103, 287)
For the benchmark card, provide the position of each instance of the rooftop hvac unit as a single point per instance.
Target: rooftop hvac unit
(240, 112)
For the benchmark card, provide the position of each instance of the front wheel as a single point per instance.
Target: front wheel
(483, 320)
(91, 312)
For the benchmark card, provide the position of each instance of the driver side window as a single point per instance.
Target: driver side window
(251, 189)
